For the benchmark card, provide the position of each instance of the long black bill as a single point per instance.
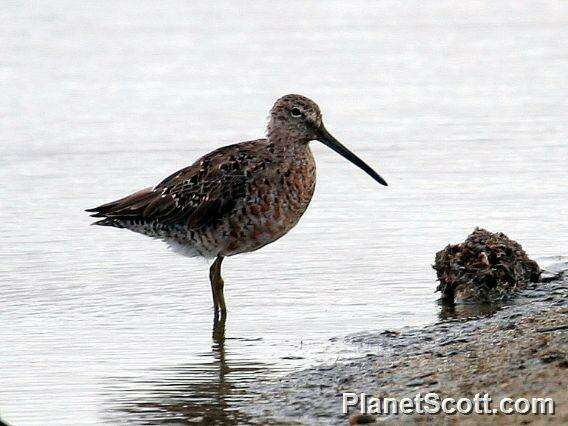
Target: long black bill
(329, 140)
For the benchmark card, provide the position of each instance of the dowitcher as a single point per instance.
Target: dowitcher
(237, 198)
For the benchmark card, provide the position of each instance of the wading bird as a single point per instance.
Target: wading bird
(237, 198)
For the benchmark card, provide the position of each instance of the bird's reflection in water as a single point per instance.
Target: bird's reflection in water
(199, 393)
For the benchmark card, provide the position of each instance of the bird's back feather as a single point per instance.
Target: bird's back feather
(192, 197)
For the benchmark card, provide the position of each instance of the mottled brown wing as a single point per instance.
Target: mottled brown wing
(192, 197)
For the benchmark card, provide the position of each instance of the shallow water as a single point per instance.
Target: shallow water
(461, 109)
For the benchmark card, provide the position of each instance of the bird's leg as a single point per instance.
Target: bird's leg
(217, 287)
(220, 287)
(215, 303)
(214, 288)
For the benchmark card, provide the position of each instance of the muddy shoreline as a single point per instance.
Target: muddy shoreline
(519, 349)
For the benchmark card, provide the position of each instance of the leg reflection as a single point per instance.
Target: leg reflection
(218, 350)
(211, 389)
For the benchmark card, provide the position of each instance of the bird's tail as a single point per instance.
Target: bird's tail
(116, 213)
(108, 221)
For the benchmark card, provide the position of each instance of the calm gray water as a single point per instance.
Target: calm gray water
(461, 107)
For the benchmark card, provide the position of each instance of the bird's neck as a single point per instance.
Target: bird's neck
(288, 147)
(283, 136)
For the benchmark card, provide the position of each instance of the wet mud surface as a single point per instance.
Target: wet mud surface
(514, 350)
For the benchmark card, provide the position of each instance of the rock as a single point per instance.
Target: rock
(486, 267)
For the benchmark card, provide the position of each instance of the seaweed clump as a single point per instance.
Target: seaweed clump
(486, 267)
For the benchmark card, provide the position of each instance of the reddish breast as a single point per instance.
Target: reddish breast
(278, 195)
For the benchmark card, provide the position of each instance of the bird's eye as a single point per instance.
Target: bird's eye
(295, 112)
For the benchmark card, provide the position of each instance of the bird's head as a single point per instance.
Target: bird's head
(297, 119)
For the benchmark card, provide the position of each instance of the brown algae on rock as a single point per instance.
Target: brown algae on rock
(486, 267)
